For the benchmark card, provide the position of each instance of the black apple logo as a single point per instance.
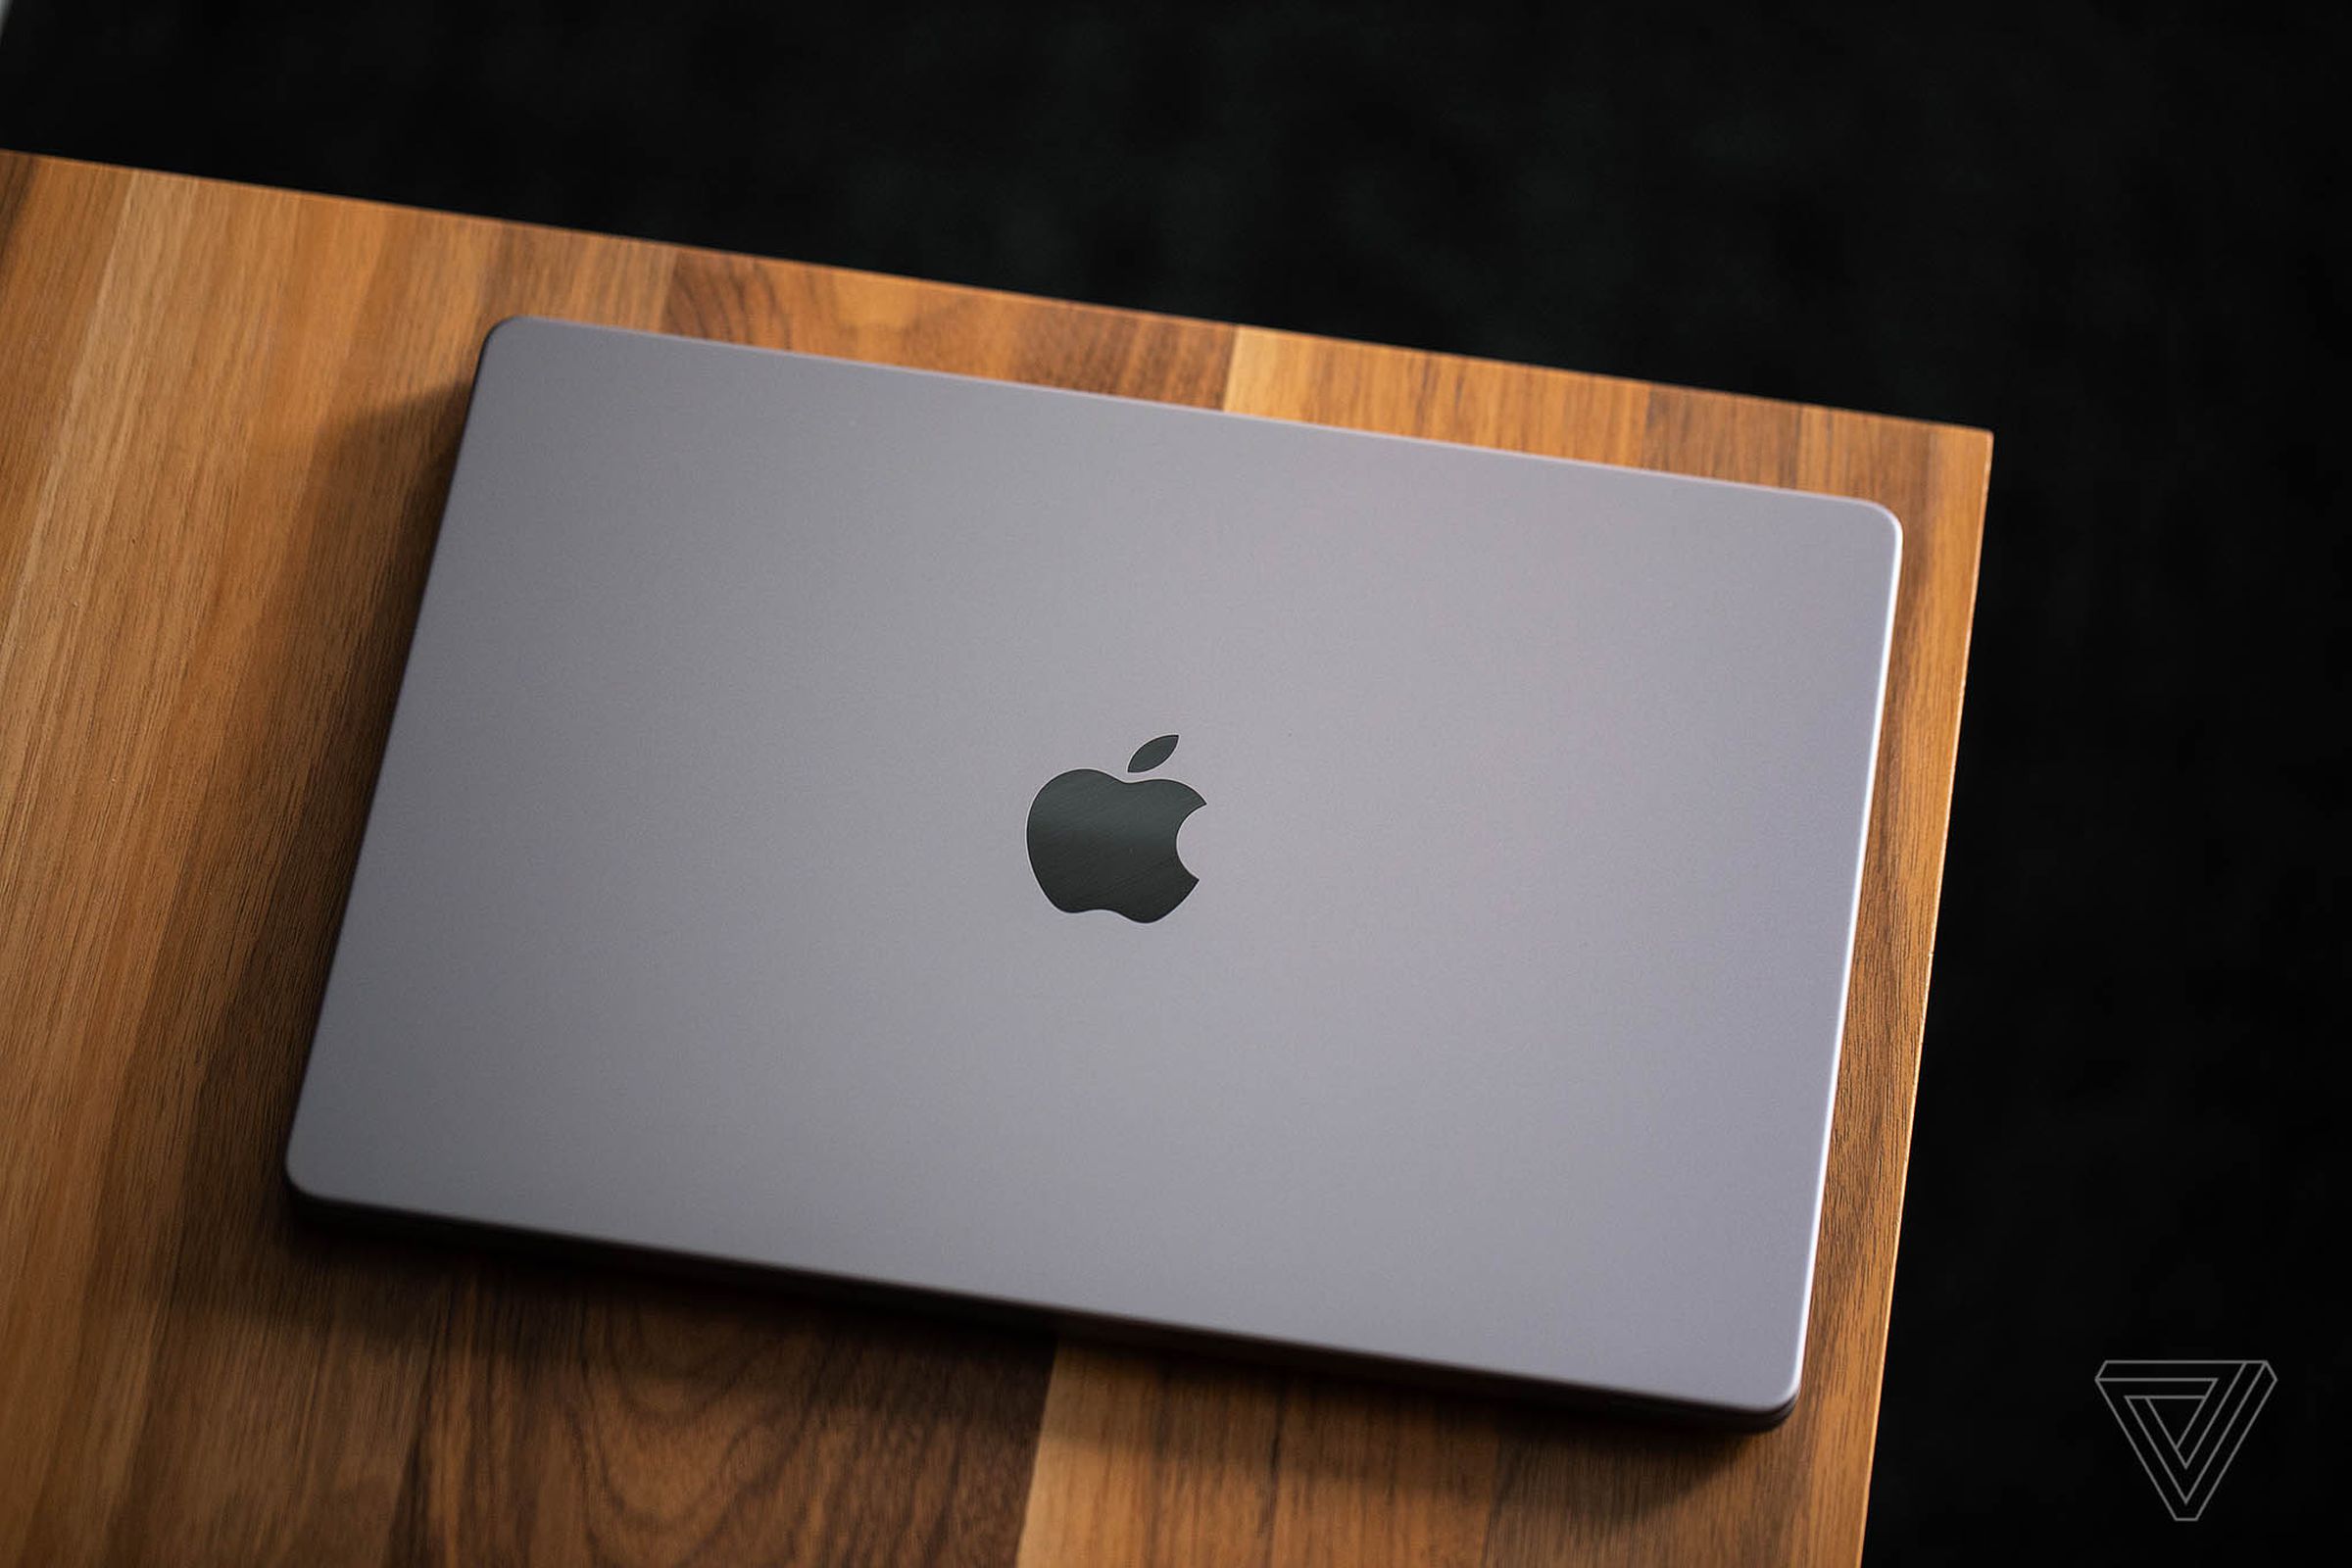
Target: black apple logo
(1099, 843)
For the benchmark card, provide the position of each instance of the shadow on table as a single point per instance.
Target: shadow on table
(408, 1390)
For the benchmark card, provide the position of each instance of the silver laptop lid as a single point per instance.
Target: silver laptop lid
(763, 868)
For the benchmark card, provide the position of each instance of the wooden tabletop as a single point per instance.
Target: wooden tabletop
(227, 421)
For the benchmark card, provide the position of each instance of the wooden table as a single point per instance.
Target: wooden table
(227, 420)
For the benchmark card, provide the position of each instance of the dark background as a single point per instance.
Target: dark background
(2099, 231)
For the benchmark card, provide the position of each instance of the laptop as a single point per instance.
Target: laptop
(1152, 869)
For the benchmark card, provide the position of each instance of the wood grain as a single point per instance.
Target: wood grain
(226, 418)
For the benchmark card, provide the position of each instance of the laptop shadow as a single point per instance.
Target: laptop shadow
(470, 1386)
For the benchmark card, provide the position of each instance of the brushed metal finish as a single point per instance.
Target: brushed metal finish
(695, 913)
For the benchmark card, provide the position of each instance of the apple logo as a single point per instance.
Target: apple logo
(1100, 843)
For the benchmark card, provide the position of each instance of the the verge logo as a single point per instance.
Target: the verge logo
(2185, 1421)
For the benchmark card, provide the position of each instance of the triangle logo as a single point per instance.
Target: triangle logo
(2185, 1421)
